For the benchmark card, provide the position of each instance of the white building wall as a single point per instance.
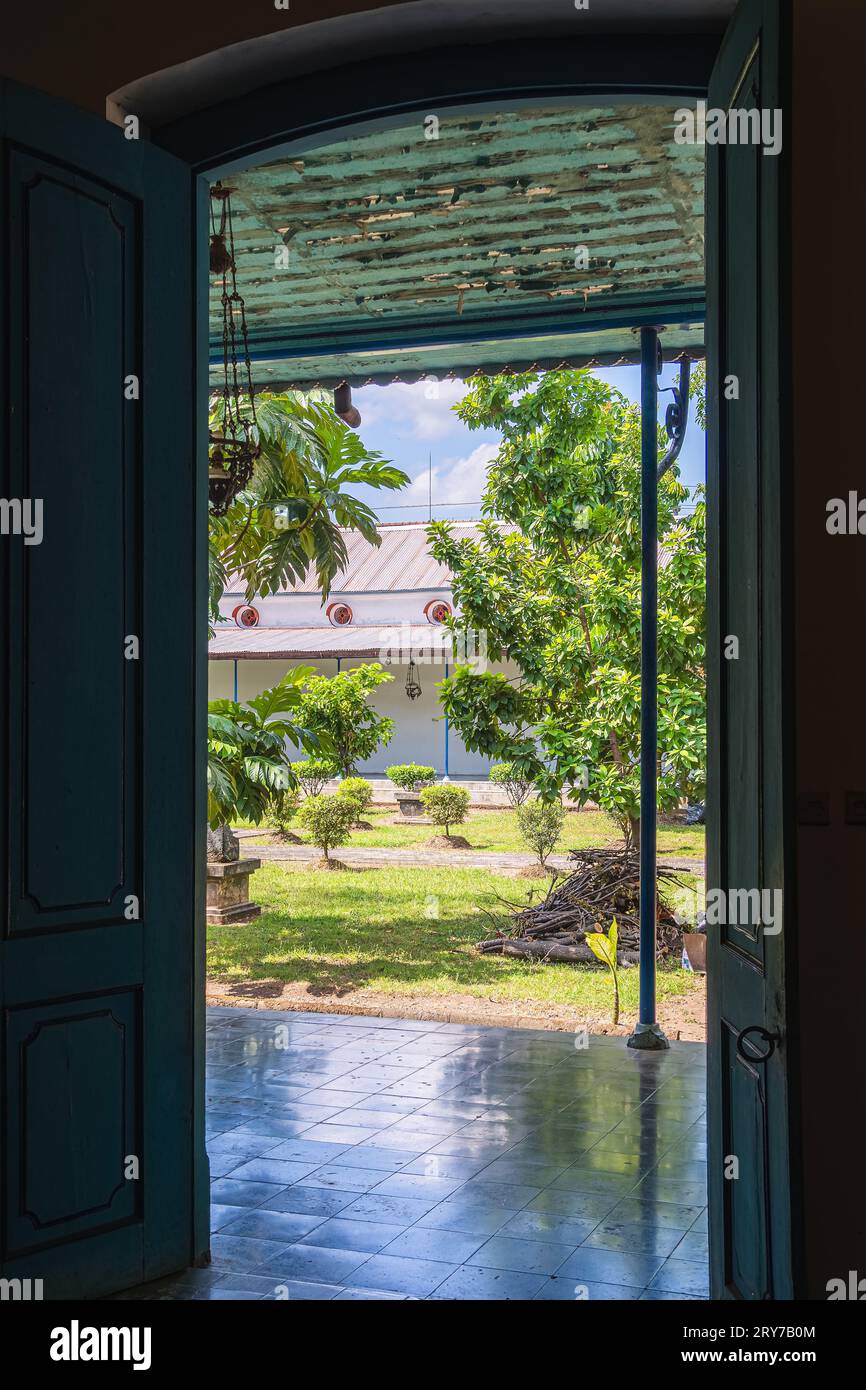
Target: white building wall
(419, 728)
(369, 609)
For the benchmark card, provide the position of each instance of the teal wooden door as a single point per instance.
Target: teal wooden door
(748, 588)
(101, 696)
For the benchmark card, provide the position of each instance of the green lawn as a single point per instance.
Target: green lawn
(400, 932)
(497, 830)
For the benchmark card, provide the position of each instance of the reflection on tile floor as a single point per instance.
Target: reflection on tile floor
(377, 1158)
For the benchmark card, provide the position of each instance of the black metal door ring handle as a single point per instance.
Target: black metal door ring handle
(771, 1039)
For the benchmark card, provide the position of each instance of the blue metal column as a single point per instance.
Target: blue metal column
(647, 1033)
(446, 778)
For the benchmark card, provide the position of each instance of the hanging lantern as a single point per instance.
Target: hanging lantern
(234, 445)
(413, 684)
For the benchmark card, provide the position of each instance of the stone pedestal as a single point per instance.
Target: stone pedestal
(228, 891)
(411, 805)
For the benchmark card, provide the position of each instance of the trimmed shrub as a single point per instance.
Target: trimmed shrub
(517, 785)
(410, 777)
(540, 825)
(314, 773)
(446, 805)
(359, 790)
(282, 810)
(328, 819)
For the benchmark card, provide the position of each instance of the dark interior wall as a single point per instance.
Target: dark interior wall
(828, 461)
(87, 49)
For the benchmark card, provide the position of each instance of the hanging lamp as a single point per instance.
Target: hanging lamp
(413, 684)
(234, 445)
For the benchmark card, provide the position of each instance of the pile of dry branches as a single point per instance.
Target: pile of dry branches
(604, 884)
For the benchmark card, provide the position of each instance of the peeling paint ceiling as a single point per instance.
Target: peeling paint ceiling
(467, 241)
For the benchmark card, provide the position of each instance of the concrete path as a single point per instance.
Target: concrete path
(369, 857)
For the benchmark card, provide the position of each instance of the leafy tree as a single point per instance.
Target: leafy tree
(313, 773)
(287, 520)
(328, 819)
(446, 805)
(336, 708)
(410, 777)
(247, 763)
(506, 775)
(360, 791)
(556, 590)
(540, 824)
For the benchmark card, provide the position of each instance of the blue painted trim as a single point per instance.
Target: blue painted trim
(673, 308)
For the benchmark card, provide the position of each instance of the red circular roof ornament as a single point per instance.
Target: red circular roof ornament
(246, 616)
(339, 614)
(437, 611)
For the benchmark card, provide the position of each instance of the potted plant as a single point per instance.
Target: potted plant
(410, 778)
(695, 948)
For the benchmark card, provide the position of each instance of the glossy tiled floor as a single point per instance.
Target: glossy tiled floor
(358, 1158)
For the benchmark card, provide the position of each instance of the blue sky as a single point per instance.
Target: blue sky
(409, 428)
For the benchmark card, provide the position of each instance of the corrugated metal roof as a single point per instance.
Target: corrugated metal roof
(402, 562)
(395, 239)
(322, 643)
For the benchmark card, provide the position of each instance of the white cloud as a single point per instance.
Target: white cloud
(454, 479)
(420, 411)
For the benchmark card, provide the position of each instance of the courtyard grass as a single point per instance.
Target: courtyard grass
(401, 933)
(497, 831)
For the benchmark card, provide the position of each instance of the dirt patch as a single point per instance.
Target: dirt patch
(535, 871)
(683, 1017)
(447, 842)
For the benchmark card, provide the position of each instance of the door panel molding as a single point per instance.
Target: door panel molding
(70, 628)
(63, 1063)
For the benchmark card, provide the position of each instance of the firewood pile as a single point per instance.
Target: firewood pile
(604, 884)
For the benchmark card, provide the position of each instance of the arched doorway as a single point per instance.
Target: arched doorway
(219, 141)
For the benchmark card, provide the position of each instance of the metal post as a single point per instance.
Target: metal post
(235, 696)
(446, 778)
(647, 1033)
